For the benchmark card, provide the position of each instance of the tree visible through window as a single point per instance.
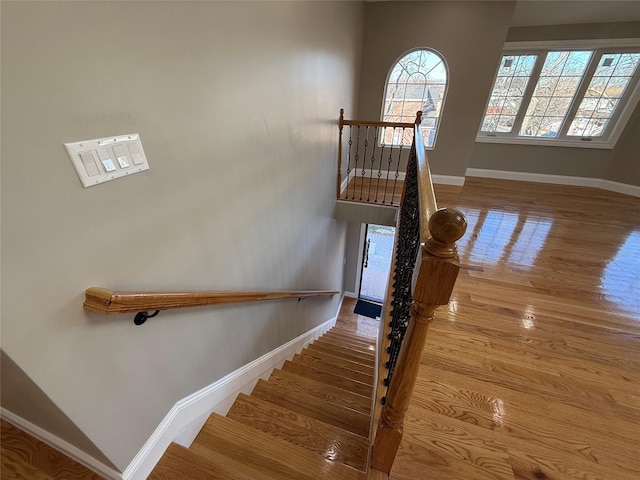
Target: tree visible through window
(570, 95)
(418, 81)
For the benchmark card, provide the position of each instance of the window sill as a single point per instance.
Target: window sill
(543, 142)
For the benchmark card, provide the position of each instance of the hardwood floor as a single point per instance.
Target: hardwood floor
(533, 371)
(25, 458)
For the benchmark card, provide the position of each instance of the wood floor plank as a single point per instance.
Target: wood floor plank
(43, 458)
(13, 467)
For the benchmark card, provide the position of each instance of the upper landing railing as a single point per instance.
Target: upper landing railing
(109, 302)
(425, 269)
(370, 168)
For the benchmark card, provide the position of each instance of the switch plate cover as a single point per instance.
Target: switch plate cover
(127, 149)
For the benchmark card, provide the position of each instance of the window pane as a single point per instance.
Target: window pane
(508, 89)
(610, 81)
(554, 92)
(417, 82)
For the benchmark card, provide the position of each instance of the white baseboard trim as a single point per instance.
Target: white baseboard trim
(610, 185)
(448, 180)
(61, 445)
(351, 294)
(625, 188)
(188, 415)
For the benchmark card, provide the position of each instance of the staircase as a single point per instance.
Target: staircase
(311, 420)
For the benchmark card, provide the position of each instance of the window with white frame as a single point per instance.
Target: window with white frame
(418, 81)
(569, 96)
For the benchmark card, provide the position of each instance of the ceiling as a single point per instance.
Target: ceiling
(553, 12)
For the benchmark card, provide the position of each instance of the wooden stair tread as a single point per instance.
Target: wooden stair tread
(336, 360)
(335, 368)
(183, 463)
(349, 349)
(327, 412)
(328, 441)
(327, 393)
(342, 353)
(369, 350)
(266, 453)
(329, 378)
(350, 336)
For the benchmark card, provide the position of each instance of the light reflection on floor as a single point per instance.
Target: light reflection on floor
(496, 236)
(621, 277)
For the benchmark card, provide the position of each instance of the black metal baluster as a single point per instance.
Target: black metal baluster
(382, 147)
(355, 168)
(364, 160)
(373, 161)
(406, 255)
(397, 174)
(346, 193)
(389, 161)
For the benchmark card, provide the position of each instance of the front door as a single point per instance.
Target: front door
(376, 262)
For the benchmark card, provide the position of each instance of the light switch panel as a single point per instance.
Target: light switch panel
(117, 157)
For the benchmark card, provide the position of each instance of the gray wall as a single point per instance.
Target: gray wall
(571, 161)
(470, 36)
(625, 165)
(24, 398)
(236, 104)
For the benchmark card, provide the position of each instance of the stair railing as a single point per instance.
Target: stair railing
(374, 153)
(109, 302)
(425, 269)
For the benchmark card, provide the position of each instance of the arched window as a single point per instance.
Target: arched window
(418, 81)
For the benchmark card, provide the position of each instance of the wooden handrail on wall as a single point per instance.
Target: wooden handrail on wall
(434, 265)
(110, 302)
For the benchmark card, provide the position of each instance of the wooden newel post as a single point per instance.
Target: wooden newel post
(434, 276)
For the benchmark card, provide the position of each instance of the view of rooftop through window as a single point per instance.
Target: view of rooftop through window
(559, 93)
(418, 81)
(608, 85)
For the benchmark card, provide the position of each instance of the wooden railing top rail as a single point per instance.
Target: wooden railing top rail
(427, 204)
(373, 123)
(110, 302)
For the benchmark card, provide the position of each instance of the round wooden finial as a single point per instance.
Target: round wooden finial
(418, 117)
(446, 227)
